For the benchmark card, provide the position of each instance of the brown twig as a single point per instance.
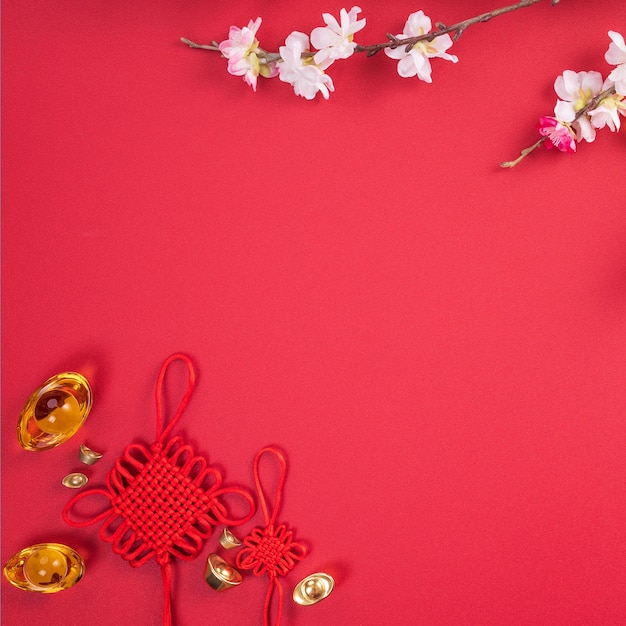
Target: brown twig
(192, 44)
(592, 104)
(442, 29)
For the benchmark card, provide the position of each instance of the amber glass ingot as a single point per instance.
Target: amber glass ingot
(54, 412)
(45, 568)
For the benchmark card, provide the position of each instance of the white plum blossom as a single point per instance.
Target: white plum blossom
(243, 54)
(608, 110)
(336, 39)
(300, 70)
(575, 90)
(616, 55)
(416, 61)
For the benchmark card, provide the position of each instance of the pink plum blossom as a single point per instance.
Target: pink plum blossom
(416, 62)
(336, 39)
(575, 90)
(243, 54)
(559, 134)
(608, 110)
(300, 71)
(616, 55)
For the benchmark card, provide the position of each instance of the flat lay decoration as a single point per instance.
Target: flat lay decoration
(309, 204)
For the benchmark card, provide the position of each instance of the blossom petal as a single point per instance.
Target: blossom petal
(351, 24)
(297, 40)
(616, 54)
(566, 85)
(417, 24)
(424, 69)
(331, 22)
(564, 111)
(618, 76)
(584, 129)
(322, 37)
(396, 53)
(407, 67)
(591, 81)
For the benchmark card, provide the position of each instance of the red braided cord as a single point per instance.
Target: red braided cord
(270, 549)
(164, 501)
(267, 613)
(269, 520)
(166, 573)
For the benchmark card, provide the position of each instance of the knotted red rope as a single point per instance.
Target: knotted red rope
(270, 549)
(164, 500)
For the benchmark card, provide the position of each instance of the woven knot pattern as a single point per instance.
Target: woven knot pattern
(161, 503)
(164, 502)
(270, 550)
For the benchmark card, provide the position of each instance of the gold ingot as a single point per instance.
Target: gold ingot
(228, 540)
(87, 455)
(75, 480)
(45, 568)
(221, 575)
(313, 589)
(54, 412)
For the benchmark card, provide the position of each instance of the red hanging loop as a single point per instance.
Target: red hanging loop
(271, 549)
(270, 519)
(161, 434)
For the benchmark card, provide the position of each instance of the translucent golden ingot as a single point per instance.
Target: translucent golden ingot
(87, 455)
(54, 412)
(313, 589)
(228, 540)
(221, 575)
(45, 568)
(75, 480)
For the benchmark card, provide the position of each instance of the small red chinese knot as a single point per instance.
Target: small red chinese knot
(270, 549)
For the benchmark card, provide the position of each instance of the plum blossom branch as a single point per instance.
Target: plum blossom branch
(586, 104)
(303, 60)
(592, 104)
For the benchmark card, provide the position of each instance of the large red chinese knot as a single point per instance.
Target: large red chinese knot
(164, 499)
(271, 549)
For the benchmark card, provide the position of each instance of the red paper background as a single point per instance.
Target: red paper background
(437, 344)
